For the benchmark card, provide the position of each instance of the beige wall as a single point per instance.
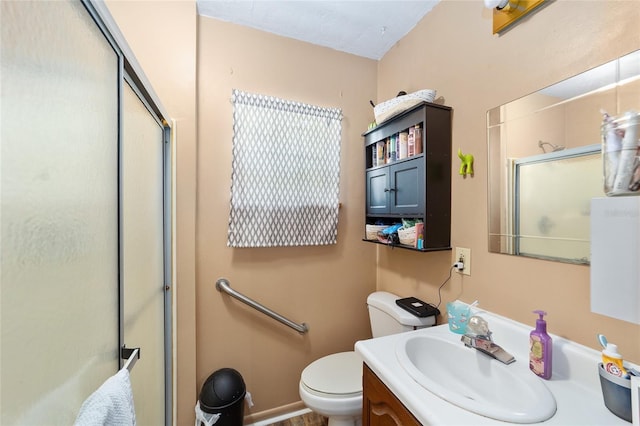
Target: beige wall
(326, 287)
(451, 50)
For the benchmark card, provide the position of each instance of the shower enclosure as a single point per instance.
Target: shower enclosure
(84, 216)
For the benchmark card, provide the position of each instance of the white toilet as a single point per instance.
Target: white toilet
(332, 385)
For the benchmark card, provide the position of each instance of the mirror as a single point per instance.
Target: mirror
(545, 161)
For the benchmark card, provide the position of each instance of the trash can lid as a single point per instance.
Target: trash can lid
(222, 389)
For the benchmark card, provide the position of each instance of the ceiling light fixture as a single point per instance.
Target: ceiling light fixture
(507, 12)
(500, 4)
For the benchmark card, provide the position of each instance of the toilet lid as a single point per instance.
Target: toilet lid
(339, 373)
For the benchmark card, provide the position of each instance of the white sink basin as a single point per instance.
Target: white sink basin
(474, 381)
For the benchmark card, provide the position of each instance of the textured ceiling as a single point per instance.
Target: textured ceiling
(363, 28)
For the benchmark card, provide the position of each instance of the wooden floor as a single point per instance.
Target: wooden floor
(309, 419)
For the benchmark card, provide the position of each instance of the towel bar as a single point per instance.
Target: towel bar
(131, 355)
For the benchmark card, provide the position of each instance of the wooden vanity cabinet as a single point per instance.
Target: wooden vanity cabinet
(380, 407)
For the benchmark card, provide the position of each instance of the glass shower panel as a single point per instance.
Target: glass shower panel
(58, 211)
(554, 205)
(143, 263)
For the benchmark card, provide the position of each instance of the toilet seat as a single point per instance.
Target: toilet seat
(336, 374)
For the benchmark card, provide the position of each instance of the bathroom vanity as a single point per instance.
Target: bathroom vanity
(394, 392)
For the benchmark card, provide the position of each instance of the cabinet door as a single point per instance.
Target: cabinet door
(407, 183)
(377, 191)
(380, 406)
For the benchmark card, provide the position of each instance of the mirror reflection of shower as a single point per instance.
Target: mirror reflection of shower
(554, 147)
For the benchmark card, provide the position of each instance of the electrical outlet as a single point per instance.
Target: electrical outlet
(464, 254)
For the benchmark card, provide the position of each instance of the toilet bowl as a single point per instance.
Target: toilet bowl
(332, 385)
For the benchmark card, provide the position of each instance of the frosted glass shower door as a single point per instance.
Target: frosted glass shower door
(554, 202)
(58, 211)
(142, 255)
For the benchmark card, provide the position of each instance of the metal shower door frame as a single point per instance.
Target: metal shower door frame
(130, 72)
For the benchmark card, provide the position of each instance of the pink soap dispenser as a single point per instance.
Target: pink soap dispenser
(540, 346)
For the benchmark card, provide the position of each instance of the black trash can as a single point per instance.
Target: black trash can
(223, 393)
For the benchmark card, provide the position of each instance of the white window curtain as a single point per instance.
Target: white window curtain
(285, 173)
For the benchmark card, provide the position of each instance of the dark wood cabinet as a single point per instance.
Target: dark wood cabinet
(397, 189)
(416, 186)
(380, 405)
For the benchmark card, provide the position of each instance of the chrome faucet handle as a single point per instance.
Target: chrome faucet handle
(478, 327)
(478, 336)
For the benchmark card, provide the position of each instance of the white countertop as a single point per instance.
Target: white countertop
(574, 383)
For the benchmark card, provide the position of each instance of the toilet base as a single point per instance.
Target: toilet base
(345, 421)
(341, 411)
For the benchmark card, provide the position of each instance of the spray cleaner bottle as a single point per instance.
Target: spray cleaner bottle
(540, 345)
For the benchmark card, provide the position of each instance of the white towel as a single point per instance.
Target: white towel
(111, 404)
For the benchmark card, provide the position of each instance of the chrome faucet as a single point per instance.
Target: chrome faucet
(478, 336)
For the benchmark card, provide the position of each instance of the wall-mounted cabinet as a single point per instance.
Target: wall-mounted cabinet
(408, 173)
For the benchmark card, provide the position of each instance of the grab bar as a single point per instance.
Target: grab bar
(223, 285)
(132, 355)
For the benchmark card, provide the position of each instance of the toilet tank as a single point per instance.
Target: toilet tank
(388, 318)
